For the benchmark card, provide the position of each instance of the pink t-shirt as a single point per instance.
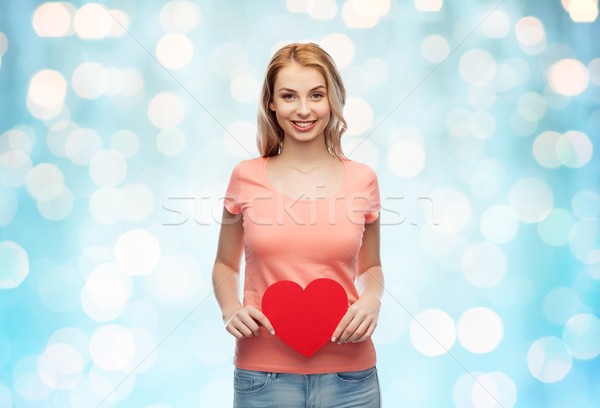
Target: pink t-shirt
(301, 240)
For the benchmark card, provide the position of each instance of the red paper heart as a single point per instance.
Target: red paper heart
(305, 319)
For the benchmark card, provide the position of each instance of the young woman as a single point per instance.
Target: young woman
(301, 211)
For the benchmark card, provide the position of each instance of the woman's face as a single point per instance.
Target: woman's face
(300, 95)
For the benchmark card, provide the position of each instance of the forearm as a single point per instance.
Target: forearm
(371, 283)
(226, 284)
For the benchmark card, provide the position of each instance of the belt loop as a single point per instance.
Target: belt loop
(274, 375)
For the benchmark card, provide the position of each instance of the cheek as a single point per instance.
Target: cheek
(323, 111)
(284, 112)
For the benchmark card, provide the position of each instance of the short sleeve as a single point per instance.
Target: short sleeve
(374, 200)
(233, 193)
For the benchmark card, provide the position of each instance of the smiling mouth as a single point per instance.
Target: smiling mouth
(303, 124)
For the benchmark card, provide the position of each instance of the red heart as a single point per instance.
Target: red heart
(305, 319)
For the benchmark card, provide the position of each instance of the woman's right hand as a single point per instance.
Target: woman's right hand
(243, 322)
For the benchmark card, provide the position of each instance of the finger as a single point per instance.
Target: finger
(262, 319)
(359, 332)
(367, 335)
(240, 322)
(250, 324)
(245, 330)
(235, 332)
(342, 325)
(350, 329)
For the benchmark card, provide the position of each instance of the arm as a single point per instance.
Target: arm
(359, 322)
(239, 321)
(370, 279)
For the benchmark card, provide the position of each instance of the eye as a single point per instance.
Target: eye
(286, 96)
(318, 95)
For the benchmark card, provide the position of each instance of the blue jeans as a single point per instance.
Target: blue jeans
(260, 389)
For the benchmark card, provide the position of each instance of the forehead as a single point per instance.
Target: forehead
(295, 76)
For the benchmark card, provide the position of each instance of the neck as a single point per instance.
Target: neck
(308, 154)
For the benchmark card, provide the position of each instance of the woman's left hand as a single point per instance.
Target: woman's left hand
(360, 320)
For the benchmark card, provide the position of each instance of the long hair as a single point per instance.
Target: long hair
(269, 135)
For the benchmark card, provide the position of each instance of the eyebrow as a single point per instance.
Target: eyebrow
(291, 90)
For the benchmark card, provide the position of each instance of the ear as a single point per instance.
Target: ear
(271, 106)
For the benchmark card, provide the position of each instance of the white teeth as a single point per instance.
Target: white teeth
(304, 124)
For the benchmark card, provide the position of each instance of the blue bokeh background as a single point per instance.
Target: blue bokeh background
(120, 123)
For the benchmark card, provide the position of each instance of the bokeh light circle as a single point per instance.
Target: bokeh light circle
(92, 21)
(544, 149)
(479, 330)
(451, 209)
(52, 19)
(549, 360)
(174, 50)
(432, 332)
(137, 252)
(435, 48)
(108, 168)
(239, 138)
(47, 88)
(531, 199)
(106, 292)
(81, 145)
(62, 366)
(406, 158)
(584, 240)
(574, 149)
(359, 115)
(8, 205)
(139, 201)
(581, 334)
(180, 16)
(497, 25)
(484, 265)
(90, 80)
(340, 47)
(108, 205)
(560, 304)
(494, 389)
(499, 224)
(568, 77)
(112, 347)
(45, 181)
(555, 228)
(166, 110)
(15, 168)
(15, 264)
(477, 67)
(126, 142)
(27, 381)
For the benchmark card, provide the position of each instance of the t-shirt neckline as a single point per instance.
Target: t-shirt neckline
(307, 200)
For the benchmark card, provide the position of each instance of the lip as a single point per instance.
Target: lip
(303, 129)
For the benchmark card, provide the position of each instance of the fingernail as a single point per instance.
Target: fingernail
(339, 342)
(333, 339)
(272, 332)
(353, 341)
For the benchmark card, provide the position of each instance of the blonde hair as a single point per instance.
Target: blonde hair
(269, 136)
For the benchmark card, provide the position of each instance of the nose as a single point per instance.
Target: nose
(303, 108)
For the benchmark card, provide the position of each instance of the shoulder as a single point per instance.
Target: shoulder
(249, 169)
(360, 170)
(249, 165)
